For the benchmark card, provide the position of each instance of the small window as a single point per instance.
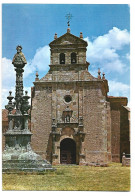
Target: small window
(73, 58)
(68, 98)
(62, 58)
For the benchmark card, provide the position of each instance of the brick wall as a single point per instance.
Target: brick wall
(94, 114)
(41, 121)
(115, 135)
(124, 132)
(119, 128)
(108, 127)
(62, 105)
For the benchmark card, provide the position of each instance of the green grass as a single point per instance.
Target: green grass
(112, 178)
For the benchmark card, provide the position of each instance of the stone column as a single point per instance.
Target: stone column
(18, 155)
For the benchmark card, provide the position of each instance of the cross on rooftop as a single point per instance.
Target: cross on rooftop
(68, 17)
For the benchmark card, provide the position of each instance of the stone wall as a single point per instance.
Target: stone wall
(125, 160)
(4, 128)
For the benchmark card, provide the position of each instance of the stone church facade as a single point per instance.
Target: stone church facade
(73, 120)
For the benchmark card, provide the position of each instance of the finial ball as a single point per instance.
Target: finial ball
(68, 30)
(55, 36)
(81, 35)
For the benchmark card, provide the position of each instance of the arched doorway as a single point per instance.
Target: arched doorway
(68, 151)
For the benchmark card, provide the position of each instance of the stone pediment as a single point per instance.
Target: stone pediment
(66, 39)
(66, 42)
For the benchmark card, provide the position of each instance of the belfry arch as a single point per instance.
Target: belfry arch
(62, 58)
(73, 57)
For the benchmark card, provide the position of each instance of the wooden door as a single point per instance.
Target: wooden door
(68, 151)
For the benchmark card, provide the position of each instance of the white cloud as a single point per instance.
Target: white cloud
(39, 62)
(128, 56)
(8, 79)
(29, 92)
(118, 89)
(103, 50)
(8, 73)
(5, 93)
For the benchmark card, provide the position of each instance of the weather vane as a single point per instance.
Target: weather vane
(68, 17)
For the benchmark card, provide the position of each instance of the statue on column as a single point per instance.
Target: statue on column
(18, 154)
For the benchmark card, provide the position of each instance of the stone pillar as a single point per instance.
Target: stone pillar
(10, 121)
(82, 153)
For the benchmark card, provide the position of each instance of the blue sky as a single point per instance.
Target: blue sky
(105, 27)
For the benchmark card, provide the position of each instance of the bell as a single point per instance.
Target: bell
(73, 60)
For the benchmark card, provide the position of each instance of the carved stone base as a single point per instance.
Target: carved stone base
(20, 159)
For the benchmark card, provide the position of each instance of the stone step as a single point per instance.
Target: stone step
(27, 170)
(15, 166)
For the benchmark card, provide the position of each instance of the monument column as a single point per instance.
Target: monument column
(18, 155)
(17, 134)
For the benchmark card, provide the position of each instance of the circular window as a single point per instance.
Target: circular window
(68, 98)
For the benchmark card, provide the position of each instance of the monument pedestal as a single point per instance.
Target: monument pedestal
(17, 160)
(18, 155)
